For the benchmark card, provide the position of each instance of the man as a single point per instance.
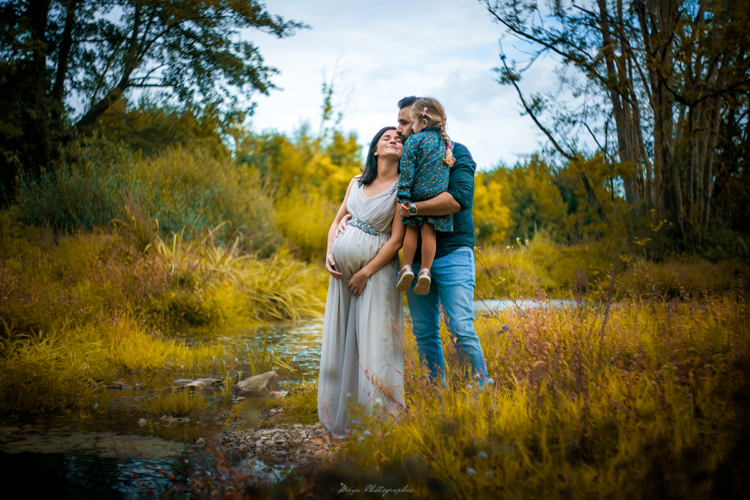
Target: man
(453, 269)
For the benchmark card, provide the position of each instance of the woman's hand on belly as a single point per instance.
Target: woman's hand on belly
(357, 282)
(342, 225)
(331, 266)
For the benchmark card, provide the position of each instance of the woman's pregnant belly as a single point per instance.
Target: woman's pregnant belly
(354, 249)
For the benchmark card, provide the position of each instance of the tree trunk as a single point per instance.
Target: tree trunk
(38, 110)
(58, 89)
(131, 62)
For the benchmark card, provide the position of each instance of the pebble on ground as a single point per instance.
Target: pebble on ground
(296, 444)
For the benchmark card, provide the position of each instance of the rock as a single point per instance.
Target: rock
(259, 385)
(119, 386)
(201, 384)
(142, 422)
(169, 420)
(278, 395)
(200, 442)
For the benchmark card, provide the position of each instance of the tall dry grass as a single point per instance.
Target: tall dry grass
(543, 267)
(640, 399)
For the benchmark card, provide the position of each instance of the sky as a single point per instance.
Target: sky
(384, 50)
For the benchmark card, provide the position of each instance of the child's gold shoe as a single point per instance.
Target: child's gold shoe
(405, 277)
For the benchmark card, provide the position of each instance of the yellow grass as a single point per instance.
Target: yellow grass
(643, 399)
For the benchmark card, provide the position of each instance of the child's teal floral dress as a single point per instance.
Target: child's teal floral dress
(423, 175)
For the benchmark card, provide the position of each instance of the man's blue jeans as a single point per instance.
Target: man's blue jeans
(453, 287)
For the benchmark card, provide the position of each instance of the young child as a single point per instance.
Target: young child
(424, 174)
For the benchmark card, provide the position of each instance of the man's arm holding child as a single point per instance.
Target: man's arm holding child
(460, 194)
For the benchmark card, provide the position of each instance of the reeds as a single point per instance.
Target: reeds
(219, 285)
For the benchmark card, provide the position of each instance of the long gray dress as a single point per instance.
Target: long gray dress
(362, 358)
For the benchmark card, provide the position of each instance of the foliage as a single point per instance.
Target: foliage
(310, 178)
(304, 219)
(532, 198)
(217, 284)
(540, 266)
(491, 216)
(301, 404)
(543, 267)
(179, 187)
(147, 128)
(82, 306)
(263, 358)
(93, 52)
(50, 370)
(653, 100)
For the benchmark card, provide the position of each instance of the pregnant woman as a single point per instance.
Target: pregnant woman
(362, 359)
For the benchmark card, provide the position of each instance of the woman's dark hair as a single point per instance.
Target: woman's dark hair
(371, 164)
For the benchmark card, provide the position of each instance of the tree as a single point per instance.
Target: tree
(533, 200)
(491, 214)
(91, 52)
(667, 75)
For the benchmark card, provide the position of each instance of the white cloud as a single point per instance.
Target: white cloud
(389, 49)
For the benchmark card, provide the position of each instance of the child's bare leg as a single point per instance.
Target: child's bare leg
(411, 239)
(429, 246)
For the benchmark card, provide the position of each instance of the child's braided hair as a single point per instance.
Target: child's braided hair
(430, 109)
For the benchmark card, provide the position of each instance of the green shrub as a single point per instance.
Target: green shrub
(181, 187)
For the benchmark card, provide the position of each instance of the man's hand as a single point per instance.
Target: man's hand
(331, 266)
(342, 226)
(404, 209)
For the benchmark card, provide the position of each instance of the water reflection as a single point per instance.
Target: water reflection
(82, 476)
(481, 306)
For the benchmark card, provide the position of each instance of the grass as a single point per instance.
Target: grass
(301, 404)
(541, 267)
(177, 403)
(133, 349)
(40, 373)
(641, 399)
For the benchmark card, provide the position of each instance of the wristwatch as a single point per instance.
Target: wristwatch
(412, 208)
